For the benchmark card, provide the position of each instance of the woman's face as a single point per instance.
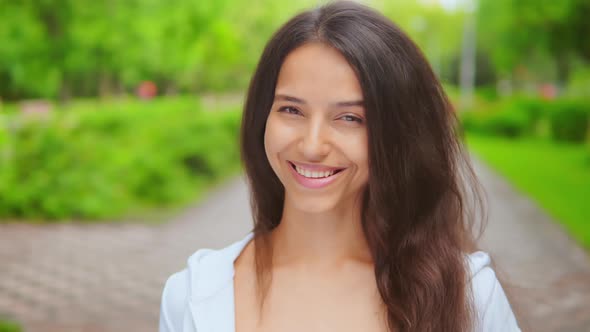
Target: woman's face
(316, 134)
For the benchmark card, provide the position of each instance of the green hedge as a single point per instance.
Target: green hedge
(562, 120)
(535, 110)
(570, 120)
(97, 161)
(506, 120)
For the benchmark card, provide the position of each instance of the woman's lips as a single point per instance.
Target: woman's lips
(313, 183)
(315, 167)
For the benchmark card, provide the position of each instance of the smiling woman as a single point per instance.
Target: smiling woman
(359, 190)
(314, 126)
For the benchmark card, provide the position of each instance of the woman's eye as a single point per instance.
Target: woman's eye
(350, 118)
(289, 110)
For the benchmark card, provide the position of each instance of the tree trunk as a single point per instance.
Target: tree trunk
(105, 88)
(563, 69)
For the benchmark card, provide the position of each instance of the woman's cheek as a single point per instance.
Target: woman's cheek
(279, 134)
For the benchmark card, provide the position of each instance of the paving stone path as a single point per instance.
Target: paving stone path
(107, 278)
(545, 273)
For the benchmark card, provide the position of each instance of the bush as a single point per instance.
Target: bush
(564, 120)
(570, 120)
(97, 163)
(488, 93)
(509, 123)
(535, 109)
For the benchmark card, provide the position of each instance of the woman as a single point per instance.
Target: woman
(358, 188)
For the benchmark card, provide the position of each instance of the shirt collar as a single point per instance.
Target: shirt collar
(213, 269)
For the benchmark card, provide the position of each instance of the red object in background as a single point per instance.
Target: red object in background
(548, 91)
(147, 90)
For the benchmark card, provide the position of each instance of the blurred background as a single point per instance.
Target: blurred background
(118, 146)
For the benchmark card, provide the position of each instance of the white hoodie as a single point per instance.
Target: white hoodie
(200, 298)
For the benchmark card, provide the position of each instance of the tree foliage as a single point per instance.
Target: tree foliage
(536, 34)
(66, 48)
(72, 48)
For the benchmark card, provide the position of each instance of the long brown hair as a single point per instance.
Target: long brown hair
(415, 214)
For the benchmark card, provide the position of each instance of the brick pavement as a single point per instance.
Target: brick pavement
(103, 278)
(107, 278)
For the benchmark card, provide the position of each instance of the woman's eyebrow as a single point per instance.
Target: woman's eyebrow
(303, 102)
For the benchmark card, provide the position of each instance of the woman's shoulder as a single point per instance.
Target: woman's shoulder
(491, 304)
(207, 271)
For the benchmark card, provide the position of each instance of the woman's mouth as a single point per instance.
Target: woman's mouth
(317, 177)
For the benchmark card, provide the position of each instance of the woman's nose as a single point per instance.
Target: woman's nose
(315, 144)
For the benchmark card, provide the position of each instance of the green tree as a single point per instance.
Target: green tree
(436, 30)
(535, 33)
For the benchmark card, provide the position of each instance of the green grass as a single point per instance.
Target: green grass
(555, 175)
(9, 326)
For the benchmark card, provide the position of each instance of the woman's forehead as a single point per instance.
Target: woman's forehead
(318, 73)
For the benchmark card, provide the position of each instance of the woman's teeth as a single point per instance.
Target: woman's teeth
(310, 174)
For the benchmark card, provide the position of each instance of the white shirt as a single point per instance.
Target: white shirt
(200, 298)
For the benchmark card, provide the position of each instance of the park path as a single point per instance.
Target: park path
(109, 278)
(546, 274)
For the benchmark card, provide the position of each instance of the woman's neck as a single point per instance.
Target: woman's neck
(319, 240)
